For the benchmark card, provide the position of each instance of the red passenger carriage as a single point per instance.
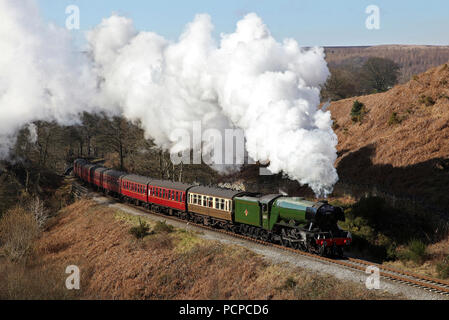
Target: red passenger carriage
(168, 194)
(111, 181)
(134, 187)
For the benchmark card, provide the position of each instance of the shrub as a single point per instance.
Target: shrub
(394, 119)
(426, 100)
(162, 226)
(416, 251)
(140, 231)
(443, 268)
(358, 111)
(37, 209)
(289, 283)
(18, 229)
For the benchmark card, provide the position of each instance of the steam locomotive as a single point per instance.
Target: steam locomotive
(288, 221)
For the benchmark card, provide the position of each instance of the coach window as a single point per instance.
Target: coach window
(216, 203)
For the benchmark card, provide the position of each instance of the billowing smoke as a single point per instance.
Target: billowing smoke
(42, 76)
(248, 81)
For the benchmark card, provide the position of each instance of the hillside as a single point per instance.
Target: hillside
(412, 59)
(168, 263)
(402, 143)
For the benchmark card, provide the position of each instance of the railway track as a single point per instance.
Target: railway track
(79, 191)
(434, 285)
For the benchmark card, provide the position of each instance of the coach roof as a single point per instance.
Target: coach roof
(136, 179)
(170, 185)
(216, 192)
(114, 173)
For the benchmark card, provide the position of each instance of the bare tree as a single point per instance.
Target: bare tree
(37, 208)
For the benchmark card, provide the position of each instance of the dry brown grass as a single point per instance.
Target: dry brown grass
(33, 281)
(437, 254)
(23, 274)
(404, 159)
(18, 230)
(176, 265)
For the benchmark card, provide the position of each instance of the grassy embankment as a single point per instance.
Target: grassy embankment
(167, 263)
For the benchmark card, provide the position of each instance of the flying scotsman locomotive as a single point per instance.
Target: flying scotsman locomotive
(288, 221)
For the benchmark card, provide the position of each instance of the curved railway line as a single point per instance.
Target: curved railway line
(434, 285)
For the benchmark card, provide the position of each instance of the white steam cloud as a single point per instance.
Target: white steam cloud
(42, 77)
(248, 80)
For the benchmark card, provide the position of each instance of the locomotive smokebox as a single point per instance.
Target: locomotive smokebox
(324, 213)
